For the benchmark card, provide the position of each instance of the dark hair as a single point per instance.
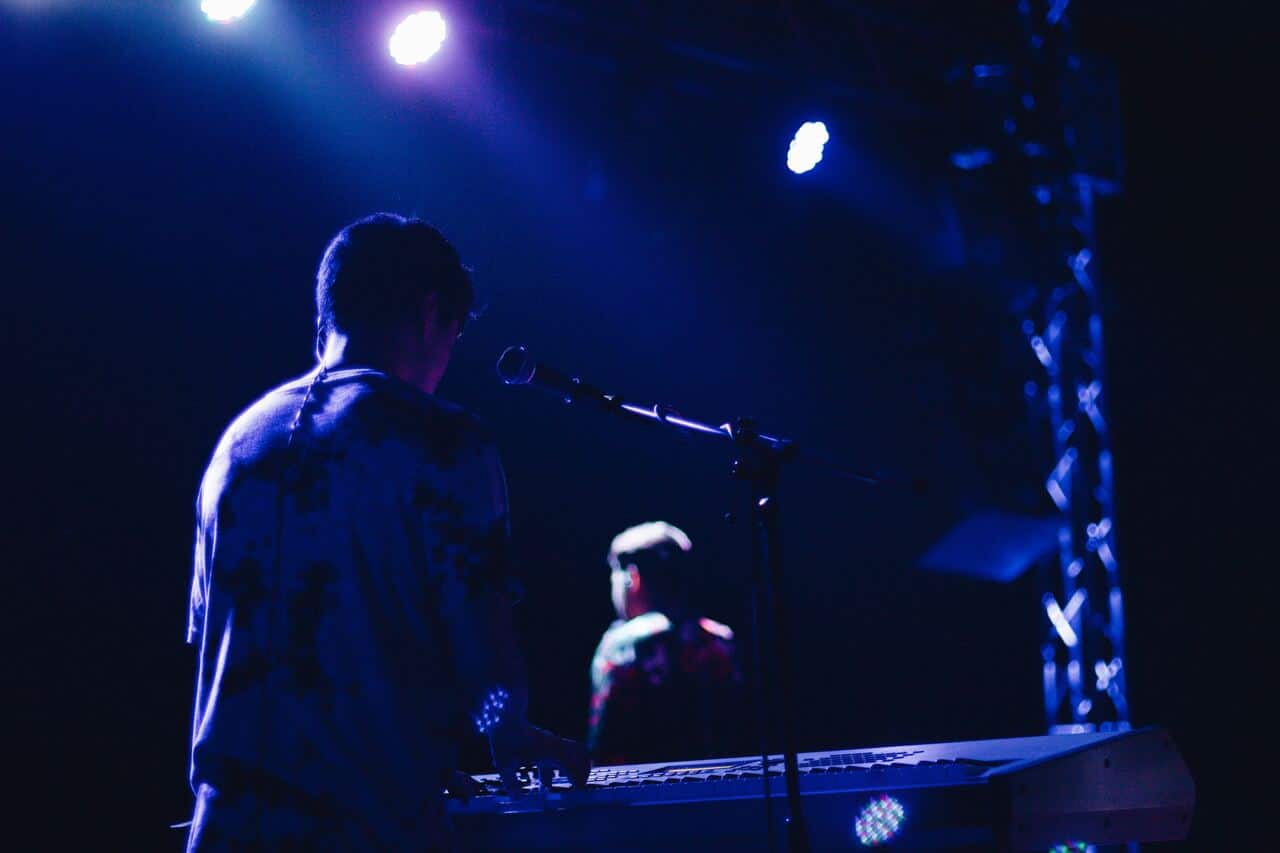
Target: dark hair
(659, 551)
(376, 271)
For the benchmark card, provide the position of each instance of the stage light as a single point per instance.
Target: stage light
(880, 820)
(417, 38)
(223, 11)
(805, 150)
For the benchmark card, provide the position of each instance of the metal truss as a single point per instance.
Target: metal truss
(1050, 123)
(1083, 650)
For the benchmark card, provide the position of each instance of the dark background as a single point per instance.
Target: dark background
(615, 177)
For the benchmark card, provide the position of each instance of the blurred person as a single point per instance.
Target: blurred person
(351, 599)
(665, 683)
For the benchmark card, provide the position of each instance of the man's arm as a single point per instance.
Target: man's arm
(476, 597)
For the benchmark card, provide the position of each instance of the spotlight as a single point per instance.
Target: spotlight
(223, 11)
(417, 38)
(805, 151)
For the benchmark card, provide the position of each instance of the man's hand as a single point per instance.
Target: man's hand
(519, 744)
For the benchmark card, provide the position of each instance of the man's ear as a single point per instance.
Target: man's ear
(633, 578)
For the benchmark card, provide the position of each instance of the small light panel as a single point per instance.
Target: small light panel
(490, 712)
(880, 820)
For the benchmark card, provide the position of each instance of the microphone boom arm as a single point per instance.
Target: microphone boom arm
(516, 367)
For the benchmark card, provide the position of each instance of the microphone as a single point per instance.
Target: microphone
(517, 367)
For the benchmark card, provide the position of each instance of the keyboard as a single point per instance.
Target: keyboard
(1028, 793)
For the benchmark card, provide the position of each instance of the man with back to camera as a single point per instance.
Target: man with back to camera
(665, 684)
(350, 596)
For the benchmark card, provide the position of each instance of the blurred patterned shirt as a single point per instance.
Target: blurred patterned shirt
(351, 550)
(662, 691)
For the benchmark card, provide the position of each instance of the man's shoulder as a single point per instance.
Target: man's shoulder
(634, 630)
(252, 444)
(617, 648)
(719, 630)
(267, 417)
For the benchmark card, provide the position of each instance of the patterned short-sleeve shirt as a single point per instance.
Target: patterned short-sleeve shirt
(350, 533)
(665, 691)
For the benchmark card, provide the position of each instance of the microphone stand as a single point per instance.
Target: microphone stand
(759, 460)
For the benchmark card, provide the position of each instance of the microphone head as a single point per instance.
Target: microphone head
(516, 366)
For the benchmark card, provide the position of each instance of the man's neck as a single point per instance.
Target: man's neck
(341, 353)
